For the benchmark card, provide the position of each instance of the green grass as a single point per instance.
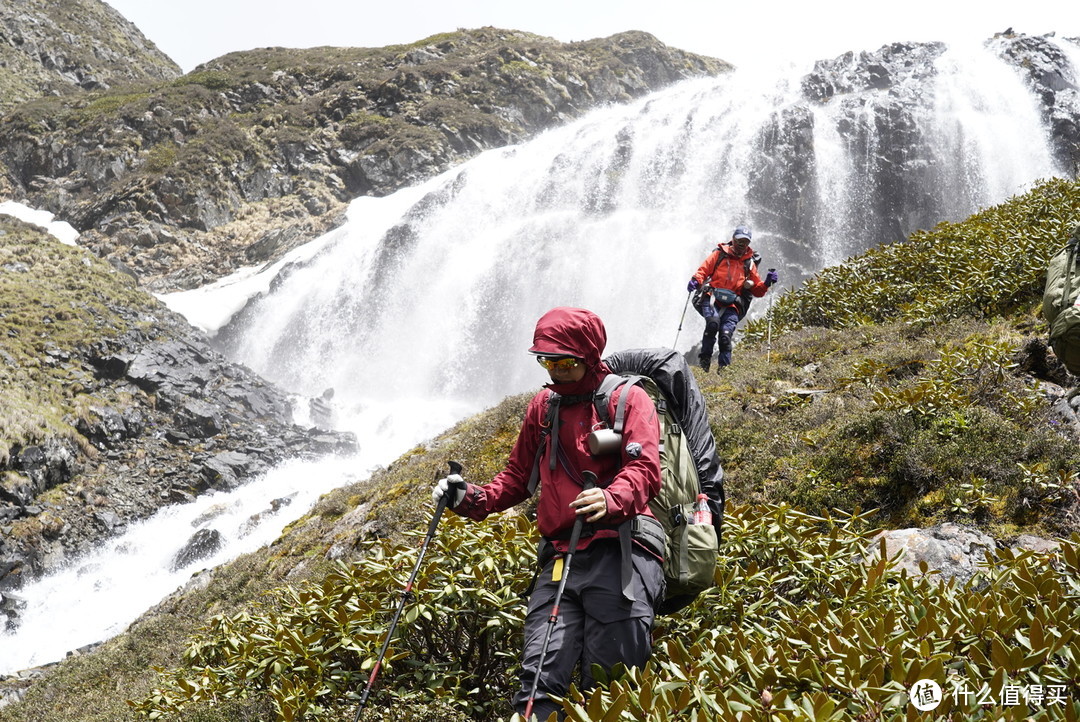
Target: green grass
(54, 299)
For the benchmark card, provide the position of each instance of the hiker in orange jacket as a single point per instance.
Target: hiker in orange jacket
(728, 280)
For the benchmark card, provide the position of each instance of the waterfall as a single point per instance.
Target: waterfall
(418, 311)
(614, 213)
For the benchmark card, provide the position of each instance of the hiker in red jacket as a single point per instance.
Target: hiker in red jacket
(730, 280)
(606, 612)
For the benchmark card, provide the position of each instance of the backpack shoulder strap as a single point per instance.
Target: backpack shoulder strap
(602, 398)
(1069, 272)
(720, 253)
(548, 430)
(754, 259)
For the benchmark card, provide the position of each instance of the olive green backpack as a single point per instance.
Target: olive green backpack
(1060, 303)
(689, 466)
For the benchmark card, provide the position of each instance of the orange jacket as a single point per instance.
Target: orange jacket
(722, 269)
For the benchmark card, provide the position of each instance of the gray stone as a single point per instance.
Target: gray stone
(200, 419)
(950, 551)
(224, 470)
(1028, 542)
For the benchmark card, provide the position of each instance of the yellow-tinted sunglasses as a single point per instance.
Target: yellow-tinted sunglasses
(565, 363)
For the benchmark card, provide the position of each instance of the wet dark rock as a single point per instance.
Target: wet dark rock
(223, 471)
(183, 419)
(880, 95)
(1049, 74)
(254, 520)
(11, 606)
(202, 544)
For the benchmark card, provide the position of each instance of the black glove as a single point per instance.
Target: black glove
(771, 277)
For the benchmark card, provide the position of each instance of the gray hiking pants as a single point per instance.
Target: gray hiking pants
(596, 623)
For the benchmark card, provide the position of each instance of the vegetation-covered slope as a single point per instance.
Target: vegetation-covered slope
(112, 406)
(67, 46)
(882, 385)
(53, 298)
(936, 390)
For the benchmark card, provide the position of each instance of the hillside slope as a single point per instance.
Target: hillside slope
(113, 406)
(60, 47)
(859, 397)
(256, 152)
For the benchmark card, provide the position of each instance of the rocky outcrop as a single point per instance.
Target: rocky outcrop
(48, 47)
(1049, 73)
(195, 422)
(877, 100)
(138, 413)
(257, 152)
(202, 544)
(950, 551)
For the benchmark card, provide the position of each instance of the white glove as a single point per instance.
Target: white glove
(452, 485)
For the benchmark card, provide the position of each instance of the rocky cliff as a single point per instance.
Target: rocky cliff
(113, 407)
(256, 152)
(61, 47)
(879, 98)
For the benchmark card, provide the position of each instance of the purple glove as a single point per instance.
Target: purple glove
(693, 285)
(771, 277)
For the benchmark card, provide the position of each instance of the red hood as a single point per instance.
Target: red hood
(573, 332)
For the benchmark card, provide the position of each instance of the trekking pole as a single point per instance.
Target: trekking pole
(455, 468)
(575, 534)
(768, 335)
(681, 318)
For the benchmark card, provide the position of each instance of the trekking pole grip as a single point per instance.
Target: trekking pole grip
(447, 497)
(575, 534)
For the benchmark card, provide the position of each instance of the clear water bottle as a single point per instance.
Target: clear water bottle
(702, 515)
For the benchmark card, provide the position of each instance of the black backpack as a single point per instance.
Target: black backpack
(689, 467)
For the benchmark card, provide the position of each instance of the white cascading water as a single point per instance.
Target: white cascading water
(418, 311)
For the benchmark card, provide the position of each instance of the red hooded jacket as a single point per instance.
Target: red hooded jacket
(634, 480)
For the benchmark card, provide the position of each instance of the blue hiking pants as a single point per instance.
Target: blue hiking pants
(719, 326)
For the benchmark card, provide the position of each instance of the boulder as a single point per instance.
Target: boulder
(949, 551)
(202, 544)
(11, 606)
(224, 470)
